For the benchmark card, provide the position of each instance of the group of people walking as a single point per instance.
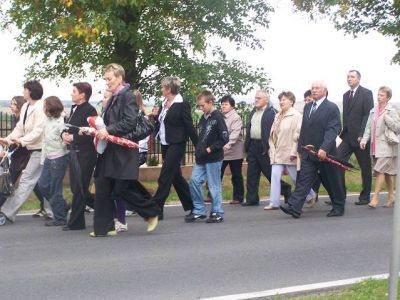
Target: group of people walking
(276, 142)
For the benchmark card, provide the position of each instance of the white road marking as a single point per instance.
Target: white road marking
(298, 288)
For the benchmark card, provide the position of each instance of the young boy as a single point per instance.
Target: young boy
(213, 135)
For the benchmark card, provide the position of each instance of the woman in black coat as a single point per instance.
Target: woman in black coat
(83, 155)
(175, 125)
(117, 169)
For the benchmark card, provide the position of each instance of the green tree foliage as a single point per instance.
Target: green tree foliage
(359, 16)
(150, 38)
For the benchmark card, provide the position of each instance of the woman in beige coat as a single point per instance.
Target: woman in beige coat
(382, 116)
(283, 145)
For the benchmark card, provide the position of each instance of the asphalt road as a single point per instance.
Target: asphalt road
(251, 251)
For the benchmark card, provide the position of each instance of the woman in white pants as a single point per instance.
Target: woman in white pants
(283, 145)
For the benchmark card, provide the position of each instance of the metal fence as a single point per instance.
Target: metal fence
(154, 154)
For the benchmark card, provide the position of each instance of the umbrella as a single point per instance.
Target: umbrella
(330, 158)
(97, 123)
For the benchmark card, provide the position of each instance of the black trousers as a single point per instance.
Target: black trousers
(236, 179)
(331, 176)
(79, 183)
(107, 189)
(345, 150)
(258, 162)
(171, 174)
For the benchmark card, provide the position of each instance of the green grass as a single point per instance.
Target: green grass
(353, 184)
(370, 289)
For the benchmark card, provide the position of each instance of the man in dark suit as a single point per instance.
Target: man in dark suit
(320, 127)
(357, 103)
(256, 146)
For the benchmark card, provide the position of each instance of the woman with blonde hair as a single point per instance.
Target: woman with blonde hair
(381, 118)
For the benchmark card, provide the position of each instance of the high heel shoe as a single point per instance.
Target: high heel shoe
(374, 202)
(390, 202)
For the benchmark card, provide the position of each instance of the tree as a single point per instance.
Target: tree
(359, 16)
(150, 38)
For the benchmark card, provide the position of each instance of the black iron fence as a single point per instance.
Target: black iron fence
(154, 154)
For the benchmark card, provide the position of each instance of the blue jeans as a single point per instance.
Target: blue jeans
(212, 173)
(51, 185)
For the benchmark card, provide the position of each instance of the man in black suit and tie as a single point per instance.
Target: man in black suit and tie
(256, 146)
(357, 103)
(320, 127)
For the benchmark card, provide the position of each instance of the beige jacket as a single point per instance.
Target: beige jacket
(283, 138)
(234, 149)
(388, 118)
(30, 134)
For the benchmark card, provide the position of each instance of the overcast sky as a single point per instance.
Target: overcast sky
(296, 52)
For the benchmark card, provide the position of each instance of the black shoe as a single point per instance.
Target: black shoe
(334, 213)
(215, 218)
(67, 228)
(362, 202)
(190, 218)
(289, 210)
(250, 204)
(287, 195)
(328, 202)
(55, 223)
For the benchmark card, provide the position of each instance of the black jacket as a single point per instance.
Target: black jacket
(214, 134)
(355, 114)
(178, 124)
(321, 129)
(83, 143)
(267, 119)
(120, 117)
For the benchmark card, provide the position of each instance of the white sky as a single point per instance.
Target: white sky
(296, 52)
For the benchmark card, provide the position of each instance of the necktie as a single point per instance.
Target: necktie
(313, 108)
(351, 95)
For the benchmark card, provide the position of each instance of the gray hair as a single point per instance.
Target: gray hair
(173, 83)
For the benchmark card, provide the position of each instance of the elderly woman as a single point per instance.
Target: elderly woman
(234, 149)
(27, 133)
(117, 168)
(83, 155)
(381, 117)
(283, 145)
(175, 127)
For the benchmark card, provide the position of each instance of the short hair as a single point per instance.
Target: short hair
(387, 90)
(228, 98)
(117, 69)
(173, 83)
(207, 96)
(85, 88)
(19, 100)
(289, 95)
(321, 83)
(265, 92)
(357, 72)
(307, 94)
(35, 89)
(53, 106)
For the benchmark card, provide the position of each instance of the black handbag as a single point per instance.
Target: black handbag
(6, 185)
(143, 129)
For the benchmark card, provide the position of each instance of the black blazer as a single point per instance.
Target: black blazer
(355, 114)
(266, 122)
(321, 129)
(178, 124)
(83, 143)
(120, 117)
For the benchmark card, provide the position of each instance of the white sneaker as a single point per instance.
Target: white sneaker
(119, 227)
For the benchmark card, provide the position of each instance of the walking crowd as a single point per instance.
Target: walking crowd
(45, 141)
